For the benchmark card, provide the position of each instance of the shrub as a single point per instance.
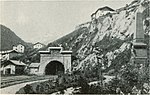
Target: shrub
(28, 89)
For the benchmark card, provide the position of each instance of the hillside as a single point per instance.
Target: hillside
(107, 37)
(9, 38)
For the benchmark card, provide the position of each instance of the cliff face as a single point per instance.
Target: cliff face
(106, 38)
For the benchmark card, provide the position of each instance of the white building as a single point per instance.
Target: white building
(19, 48)
(4, 56)
(34, 68)
(102, 11)
(7, 55)
(12, 67)
(38, 45)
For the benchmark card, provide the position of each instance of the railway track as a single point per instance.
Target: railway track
(10, 82)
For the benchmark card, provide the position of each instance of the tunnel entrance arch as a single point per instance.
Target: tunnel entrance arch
(54, 68)
(52, 61)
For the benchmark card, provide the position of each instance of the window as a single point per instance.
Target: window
(36, 70)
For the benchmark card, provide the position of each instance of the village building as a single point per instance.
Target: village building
(102, 11)
(34, 68)
(38, 45)
(7, 55)
(12, 67)
(19, 48)
(52, 62)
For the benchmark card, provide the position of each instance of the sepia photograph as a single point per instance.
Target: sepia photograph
(75, 47)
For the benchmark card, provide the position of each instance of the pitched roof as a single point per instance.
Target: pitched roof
(8, 51)
(14, 62)
(106, 8)
(18, 45)
(17, 62)
(34, 65)
(39, 43)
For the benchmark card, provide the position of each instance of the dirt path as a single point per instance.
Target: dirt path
(108, 78)
(13, 80)
(13, 89)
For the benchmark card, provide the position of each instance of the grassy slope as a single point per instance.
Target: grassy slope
(9, 38)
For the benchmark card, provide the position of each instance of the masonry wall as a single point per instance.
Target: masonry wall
(11, 67)
(141, 53)
(45, 59)
(34, 70)
(67, 62)
(139, 34)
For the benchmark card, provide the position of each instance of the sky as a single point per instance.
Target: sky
(46, 20)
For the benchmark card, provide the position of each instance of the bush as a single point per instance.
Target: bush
(28, 89)
(84, 85)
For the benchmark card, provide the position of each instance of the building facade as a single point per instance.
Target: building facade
(34, 68)
(9, 54)
(19, 48)
(102, 11)
(53, 62)
(38, 45)
(11, 67)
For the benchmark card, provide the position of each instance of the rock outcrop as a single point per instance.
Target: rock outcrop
(106, 38)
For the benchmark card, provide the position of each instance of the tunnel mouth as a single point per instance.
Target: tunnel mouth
(54, 68)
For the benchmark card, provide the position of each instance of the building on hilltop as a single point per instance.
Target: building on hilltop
(38, 45)
(19, 48)
(102, 11)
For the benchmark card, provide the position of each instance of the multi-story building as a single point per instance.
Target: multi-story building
(38, 45)
(19, 48)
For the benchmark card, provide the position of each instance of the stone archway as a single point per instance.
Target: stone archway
(54, 68)
(54, 57)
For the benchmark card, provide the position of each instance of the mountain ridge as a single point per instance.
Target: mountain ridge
(9, 38)
(110, 35)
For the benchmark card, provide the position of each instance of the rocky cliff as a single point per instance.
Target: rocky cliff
(106, 39)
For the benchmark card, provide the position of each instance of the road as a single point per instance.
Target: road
(13, 89)
(108, 78)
